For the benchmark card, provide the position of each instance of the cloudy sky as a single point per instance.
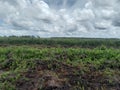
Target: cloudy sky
(60, 18)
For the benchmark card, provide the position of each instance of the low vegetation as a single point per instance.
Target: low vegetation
(29, 63)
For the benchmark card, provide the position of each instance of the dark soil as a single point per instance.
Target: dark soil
(54, 75)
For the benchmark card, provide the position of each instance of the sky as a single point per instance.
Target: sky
(60, 18)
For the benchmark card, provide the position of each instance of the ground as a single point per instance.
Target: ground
(60, 67)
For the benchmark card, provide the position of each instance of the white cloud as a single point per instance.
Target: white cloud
(60, 18)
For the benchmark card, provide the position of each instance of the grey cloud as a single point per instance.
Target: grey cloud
(116, 23)
(100, 28)
(61, 17)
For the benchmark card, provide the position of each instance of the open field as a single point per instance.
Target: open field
(28, 63)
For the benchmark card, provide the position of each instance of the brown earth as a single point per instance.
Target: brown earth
(54, 75)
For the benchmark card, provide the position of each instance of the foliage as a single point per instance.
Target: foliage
(97, 63)
(63, 42)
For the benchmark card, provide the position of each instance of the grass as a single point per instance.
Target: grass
(32, 67)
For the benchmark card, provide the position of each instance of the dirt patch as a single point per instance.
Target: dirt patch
(54, 75)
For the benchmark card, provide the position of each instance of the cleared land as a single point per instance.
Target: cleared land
(28, 63)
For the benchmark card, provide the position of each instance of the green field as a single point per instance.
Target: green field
(29, 63)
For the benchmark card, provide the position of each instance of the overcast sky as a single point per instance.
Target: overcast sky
(60, 18)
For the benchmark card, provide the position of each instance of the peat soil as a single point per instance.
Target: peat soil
(54, 75)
